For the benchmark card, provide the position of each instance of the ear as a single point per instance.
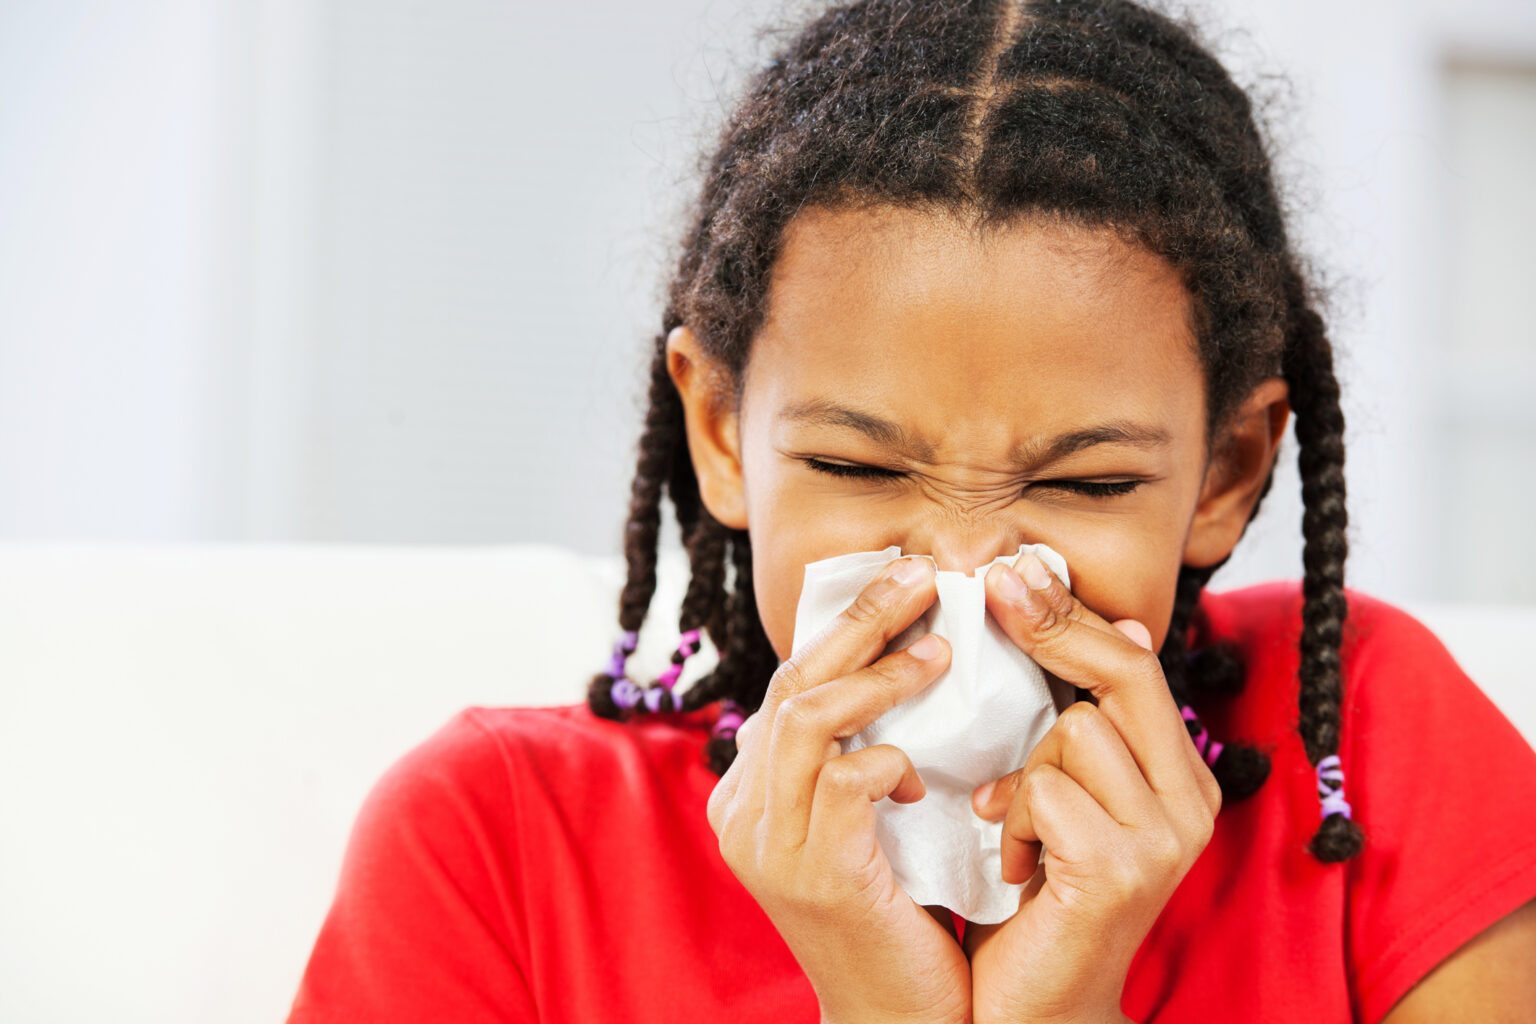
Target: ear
(1235, 475)
(714, 438)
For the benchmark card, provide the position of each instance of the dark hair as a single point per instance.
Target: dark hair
(1097, 112)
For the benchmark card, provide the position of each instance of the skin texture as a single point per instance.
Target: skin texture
(1488, 979)
(948, 361)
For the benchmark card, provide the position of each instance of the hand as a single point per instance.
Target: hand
(1118, 796)
(796, 819)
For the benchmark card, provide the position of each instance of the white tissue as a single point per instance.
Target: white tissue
(977, 722)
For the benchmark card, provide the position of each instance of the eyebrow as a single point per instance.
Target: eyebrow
(891, 435)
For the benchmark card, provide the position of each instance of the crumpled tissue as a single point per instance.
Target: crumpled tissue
(977, 722)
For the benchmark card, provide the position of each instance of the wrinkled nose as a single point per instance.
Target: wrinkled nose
(962, 549)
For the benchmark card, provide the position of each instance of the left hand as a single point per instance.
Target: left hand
(1118, 796)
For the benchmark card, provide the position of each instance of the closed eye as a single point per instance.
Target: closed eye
(1090, 488)
(851, 470)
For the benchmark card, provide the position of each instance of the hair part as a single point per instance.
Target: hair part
(1100, 112)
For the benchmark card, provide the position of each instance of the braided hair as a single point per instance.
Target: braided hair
(1093, 112)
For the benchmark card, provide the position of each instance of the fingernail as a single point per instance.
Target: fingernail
(909, 571)
(1010, 584)
(984, 794)
(1035, 573)
(925, 649)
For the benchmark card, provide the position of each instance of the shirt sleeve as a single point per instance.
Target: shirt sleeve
(1444, 788)
(424, 924)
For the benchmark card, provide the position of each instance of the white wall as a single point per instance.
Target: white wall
(378, 270)
(115, 290)
(1374, 128)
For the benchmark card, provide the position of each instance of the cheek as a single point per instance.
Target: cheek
(1126, 574)
(777, 595)
(791, 525)
(786, 537)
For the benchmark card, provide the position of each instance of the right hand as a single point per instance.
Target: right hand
(795, 816)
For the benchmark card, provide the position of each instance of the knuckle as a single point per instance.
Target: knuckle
(1079, 719)
(1211, 790)
(888, 674)
(1166, 851)
(1036, 786)
(840, 775)
(1205, 832)
(1147, 669)
(867, 609)
(735, 846)
(1202, 827)
(788, 677)
(1050, 623)
(714, 810)
(743, 731)
(799, 714)
(1127, 877)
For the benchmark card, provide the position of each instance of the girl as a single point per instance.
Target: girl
(963, 276)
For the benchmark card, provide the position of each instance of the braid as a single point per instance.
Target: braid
(1240, 768)
(1093, 112)
(658, 452)
(1320, 437)
(746, 664)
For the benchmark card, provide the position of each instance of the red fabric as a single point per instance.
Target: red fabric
(544, 864)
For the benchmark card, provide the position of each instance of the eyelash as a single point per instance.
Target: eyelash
(1086, 487)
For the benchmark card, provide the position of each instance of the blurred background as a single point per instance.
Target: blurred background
(385, 270)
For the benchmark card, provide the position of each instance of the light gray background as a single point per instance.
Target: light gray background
(385, 270)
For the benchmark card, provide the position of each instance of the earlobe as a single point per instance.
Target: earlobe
(711, 421)
(1235, 477)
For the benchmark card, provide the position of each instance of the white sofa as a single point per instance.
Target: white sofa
(187, 731)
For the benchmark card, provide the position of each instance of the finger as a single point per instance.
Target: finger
(725, 790)
(1065, 637)
(1135, 632)
(1210, 789)
(1052, 810)
(809, 724)
(742, 730)
(847, 788)
(883, 609)
(1084, 744)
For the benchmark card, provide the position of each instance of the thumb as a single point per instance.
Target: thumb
(1140, 635)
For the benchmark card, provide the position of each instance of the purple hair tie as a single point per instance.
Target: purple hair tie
(1209, 749)
(1330, 786)
(621, 652)
(729, 721)
(625, 693)
(687, 646)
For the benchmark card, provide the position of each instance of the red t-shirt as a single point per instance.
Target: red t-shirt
(547, 865)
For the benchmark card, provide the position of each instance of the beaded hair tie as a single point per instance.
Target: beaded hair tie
(1330, 786)
(628, 694)
(1209, 749)
(623, 690)
(731, 717)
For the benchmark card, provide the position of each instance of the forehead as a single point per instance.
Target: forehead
(941, 325)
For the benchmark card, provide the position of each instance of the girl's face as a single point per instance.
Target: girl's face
(917, 384)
